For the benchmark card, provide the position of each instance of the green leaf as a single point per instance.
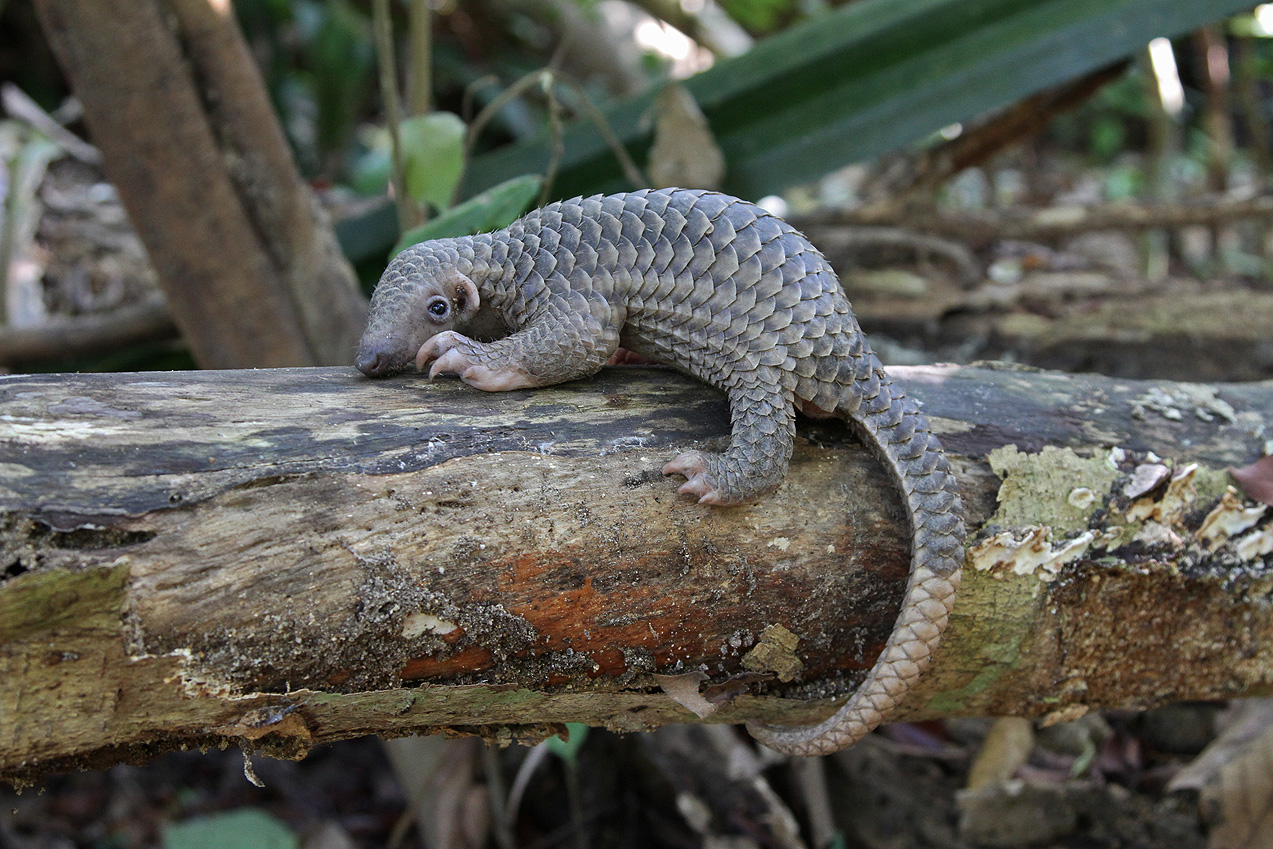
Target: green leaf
(370, 172)
(759, 16)
(339, 61)
(246, 828)
(568, 750)
(494, 208)
(433, 156)
(863, 79)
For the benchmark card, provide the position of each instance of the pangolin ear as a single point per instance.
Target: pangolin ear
(466, 299)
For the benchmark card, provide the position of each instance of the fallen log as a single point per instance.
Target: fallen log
(1055, 222)
(281, 558)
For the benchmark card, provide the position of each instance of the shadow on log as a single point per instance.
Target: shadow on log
(281, 558)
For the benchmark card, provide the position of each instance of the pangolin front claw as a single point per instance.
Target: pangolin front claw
(452, 362)
(443, 351)
(454, 353)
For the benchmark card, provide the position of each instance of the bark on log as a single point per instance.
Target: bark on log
(282, 558)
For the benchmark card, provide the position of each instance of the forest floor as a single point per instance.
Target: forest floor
(903, 787)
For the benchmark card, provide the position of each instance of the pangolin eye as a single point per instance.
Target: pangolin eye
(438, 307)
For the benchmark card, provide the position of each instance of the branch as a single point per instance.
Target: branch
(283, 558)
(18, 104)
(1055, 222)
(81, 335)
(1012, 126)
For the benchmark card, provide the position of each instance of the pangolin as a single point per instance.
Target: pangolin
(716, 287)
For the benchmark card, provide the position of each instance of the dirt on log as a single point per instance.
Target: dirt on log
(280, 558)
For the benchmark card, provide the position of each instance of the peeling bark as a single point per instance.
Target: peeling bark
(283, 558)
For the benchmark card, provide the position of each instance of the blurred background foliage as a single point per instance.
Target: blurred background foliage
(822, 88)
(792, 89)
(318, 59)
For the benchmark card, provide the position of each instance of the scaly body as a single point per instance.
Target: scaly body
(718, 288)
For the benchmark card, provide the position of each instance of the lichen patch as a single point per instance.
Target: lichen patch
(1028, 551)
(1181, 400)
(1254, 545)
(776, 653)
(1229, 518)
(1171, 505)
(1038, 489)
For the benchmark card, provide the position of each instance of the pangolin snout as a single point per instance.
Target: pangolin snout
(376, 359)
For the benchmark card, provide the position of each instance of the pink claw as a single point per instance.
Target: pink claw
(436, 348)
(691, 465)
(706, 493)
(451, 362)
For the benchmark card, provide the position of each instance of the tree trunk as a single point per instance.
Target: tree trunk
(282, 558)
(247, 259)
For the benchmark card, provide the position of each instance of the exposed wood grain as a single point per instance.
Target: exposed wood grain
(284, 557)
